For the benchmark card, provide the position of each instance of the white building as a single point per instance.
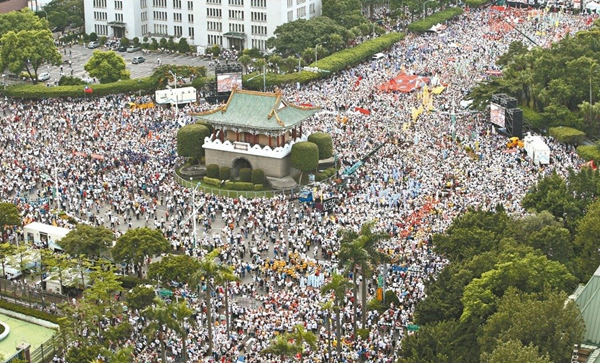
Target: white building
(235, 24)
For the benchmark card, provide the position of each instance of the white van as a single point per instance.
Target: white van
(12, 273)
(378, 56)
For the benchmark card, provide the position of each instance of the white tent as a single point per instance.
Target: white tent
(175, 96)
(592, 6)
(537, 149)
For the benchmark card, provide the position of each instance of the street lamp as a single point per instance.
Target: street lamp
(264, 76)
(174, 77)
(424, 7)
(45, 13)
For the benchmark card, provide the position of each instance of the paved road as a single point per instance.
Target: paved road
(79, 55)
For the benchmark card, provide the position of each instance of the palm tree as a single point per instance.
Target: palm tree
(224, 278)
(328, 307)
(281, 346)
(182, 312)
(209, 268)
(159, 317)
(376, 257)
(301, 336)
(338, 285)
(352, 255)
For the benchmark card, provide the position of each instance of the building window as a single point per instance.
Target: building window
(312, 9)
(100, 3)
(190, 5)
(215, 39)
(100, 16)
(178, 30)
(144, 16)
(160, 29)
(118, 18)
(160, 15)
(238, 28)
(191, 31)
(118, 5)
(259, 17)
(236, 2)
(159, 3)
(213, 13)
(177, 17)
(291, 15)
(236, 14)
(176, 4)
(216, 2)
(143, 4)
(290, 3)
(258, 3)
(144, 29)
(190, 18)
(301, 12)
(300, 2)
(214, 26)
(101, 29)
(259, 30)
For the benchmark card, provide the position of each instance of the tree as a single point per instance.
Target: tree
(353, 256)
(337, 286)
(225, 277)
(190, 139)
(9, 216)
(586, 242)
(57, 262)
(178, 268)
(160, 316)
(514, 351)
(18, 21)
(210, 268)
(72, 7)
(280, 346)
(546, 320)
(136, 245)
(88, 241)
(140, 297)
(107, 67)
(347, 13)
(183, 46)
(245, 60)
(293, 37)
(302, 337)
(305, 156)
(6, 250)
(27, 50)
(530, 274)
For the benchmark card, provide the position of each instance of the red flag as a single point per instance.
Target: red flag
(362, 110)
(88, 89)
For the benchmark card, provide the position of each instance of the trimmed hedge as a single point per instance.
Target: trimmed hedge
(567, 134)
(327, 173)
(423, 25)
(29, 311)
(476, 3)
(259, 187)
(305, 156)
(589, 152)
(243, 186)
(258, 176)
(190, 139)
(224, 173)
(245, 174)
(129, 282)
(39, 91)
(324, 143)
(333, 63)
(212, 171)
(211, 181)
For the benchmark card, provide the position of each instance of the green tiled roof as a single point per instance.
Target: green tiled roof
(258, 110)
(588, 300)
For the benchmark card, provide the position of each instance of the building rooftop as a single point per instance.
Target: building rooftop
(258, 111)
(588, 300)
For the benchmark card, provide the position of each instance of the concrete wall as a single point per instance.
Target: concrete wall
(276, 168)
(29, 319)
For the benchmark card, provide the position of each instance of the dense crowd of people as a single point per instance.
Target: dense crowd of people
(107, 165)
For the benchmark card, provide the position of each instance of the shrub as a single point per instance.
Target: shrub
(423, 25)
(212, 171)
(567, 134)
(243, 186)
(476, 3)
(229, 184)
(258, 187)
(534, 118)
(190, 139)
(305, 156)
(70, 81)
(391, 297)
(129, 282)
(363, 333)
(245, 174)
(211, 181)
(589, 152)
(224, 173)
(324, 142)
(258, 176)
(17, 308)
(327, 173)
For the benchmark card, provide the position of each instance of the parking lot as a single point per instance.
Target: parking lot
(78, 55)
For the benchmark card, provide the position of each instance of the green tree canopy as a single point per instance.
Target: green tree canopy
(514, 351)
(587, 240)
(136, 245)
(18, 21)
(74, 9)
(107, 66)
(88, 241)
(305, 156)
(9, 216)
(324, 143)
(190, 139)
(174, 268)
(347, 13)
(542, 320)
(293, 37)
(140, 297)
(27, 50)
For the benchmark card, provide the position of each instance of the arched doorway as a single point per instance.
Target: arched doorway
(238, 164)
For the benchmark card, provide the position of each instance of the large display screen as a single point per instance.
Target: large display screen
(497, 115)
(226, 81)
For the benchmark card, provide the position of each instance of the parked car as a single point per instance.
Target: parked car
(133, 48)
(122, 48)
(93, 45)
(138, 60)
(42, 77)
